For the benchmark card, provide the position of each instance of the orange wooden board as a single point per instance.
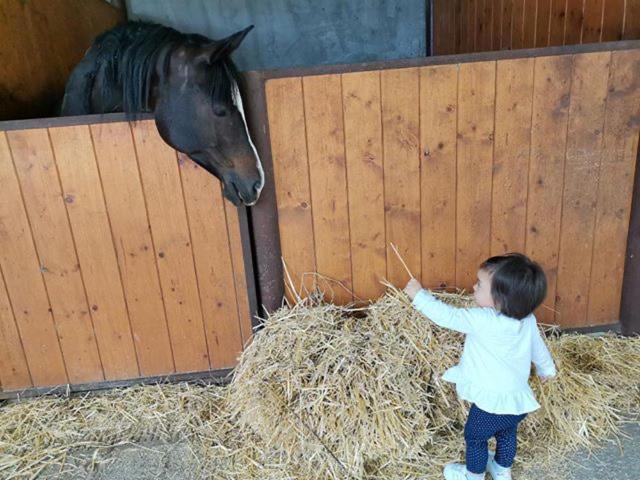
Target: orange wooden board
(45, 205)
(328, 182)
(124, 198)
(84, 200)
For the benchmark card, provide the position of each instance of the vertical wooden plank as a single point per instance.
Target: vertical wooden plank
(612, 20)
(574, 20)
(327, 171)
(401, 143)
(438, 130)
(170, 232)
(45, 206)
(363, 137)
(632, 20)
(511, 155)
(212, 253)
(551, 96)
(124, 199)
(485, 25)
(557, 21)
(291, 172)
(459, 24)
(444, 27)
(530, 23)
(476, 101)
(240, 279)
(496, 36)
(25, 287)
(14, 372)
(615, 189)
(463, 29)
(592, 23)
(507, 18)
(82, 190)
(543, 20)
(517, 24)
(584, 150)
(438, 21)
(473, 26)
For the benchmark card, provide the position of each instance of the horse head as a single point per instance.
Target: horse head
(198, 111)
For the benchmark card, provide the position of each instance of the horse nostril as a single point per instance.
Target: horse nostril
(256, 186)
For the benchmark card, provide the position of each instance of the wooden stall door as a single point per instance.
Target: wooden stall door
(118, 259)
(456, 162)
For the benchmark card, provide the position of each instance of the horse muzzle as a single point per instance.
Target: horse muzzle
(239, 190)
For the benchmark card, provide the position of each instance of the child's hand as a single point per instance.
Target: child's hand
(412, 288)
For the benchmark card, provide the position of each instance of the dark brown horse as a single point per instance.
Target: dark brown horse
(191, 86)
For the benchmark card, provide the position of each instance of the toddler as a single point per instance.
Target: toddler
(501, 341)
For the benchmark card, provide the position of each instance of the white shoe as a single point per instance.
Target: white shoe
(496, 471)
(458, 471)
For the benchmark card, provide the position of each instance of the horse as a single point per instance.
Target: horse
(188, 82)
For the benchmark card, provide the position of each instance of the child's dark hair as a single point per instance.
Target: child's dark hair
(518, 284)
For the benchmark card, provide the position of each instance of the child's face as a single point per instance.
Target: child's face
(482, 290)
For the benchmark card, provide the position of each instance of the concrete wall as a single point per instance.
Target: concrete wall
(292, 33)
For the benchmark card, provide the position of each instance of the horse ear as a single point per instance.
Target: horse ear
(223, 48)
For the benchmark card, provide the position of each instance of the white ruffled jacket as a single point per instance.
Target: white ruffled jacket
(494, 369)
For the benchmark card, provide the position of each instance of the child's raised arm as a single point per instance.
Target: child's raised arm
(464, 320)
(541, 357)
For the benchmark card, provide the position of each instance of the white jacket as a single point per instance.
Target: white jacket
(496, 361)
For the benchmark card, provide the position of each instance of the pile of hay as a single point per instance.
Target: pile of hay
(327, 392)
(360, 396)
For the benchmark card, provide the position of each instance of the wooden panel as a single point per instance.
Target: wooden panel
(42, 40)
(14, 372)
(485, 25)
(48, 218)
(612, 20)
(632, 20)
(530, 23)
(506, 22)
(172, 242)
(461, 26)
(291, 171)
(237, 259)
(511, 156)
(557, 22)
(536, 23)
(459, 33)
(444, 27)
(327, 170)
(548, 140)
(517, 24)
(592, 25)
(25, 287)
(363, 137)
(475, 153)
(401, 148)
(584, 149)
(207, 221)
(543, 20)
(573, 22)
(125, 203)
(81, 188)
(615, 188)
(438, 121)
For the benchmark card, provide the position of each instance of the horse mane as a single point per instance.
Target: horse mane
(130, 65)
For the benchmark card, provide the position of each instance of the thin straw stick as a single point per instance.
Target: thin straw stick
(395, 249)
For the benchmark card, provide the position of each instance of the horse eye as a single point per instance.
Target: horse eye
(220, 111)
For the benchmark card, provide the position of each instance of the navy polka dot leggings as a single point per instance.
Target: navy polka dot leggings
(480, 427)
